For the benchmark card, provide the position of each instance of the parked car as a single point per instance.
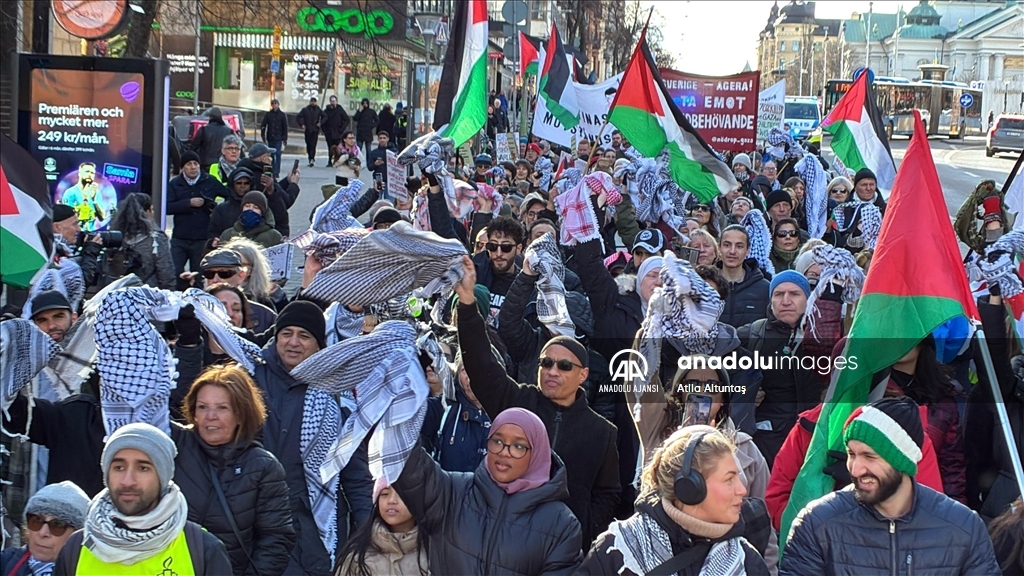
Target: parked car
(1006, 135)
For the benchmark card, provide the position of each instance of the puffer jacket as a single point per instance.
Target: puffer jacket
(390, 553)
(748, 299)
(476, 528)
(837, 535)
(255, 490)
(155, 266)
(606, 558)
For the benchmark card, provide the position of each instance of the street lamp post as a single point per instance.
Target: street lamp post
(427, 23)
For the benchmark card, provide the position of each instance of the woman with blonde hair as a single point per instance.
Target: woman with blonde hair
(257, 286)
(234, 488)
(691, 518)
(705, 243)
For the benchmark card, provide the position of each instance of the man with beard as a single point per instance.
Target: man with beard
(85, 198)
(139, 523)
(497, 268)
(885, 521)
(51, 313)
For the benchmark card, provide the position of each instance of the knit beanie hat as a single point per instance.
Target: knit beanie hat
(778, 196)
(305, 315)
(257, 198)
(790, 276)
(65, 501)
(803, 262)
(189, 156)
(863, 174)
(570, 344)
(147, 439)
(742, 160)
(62, 212)
(892, 428)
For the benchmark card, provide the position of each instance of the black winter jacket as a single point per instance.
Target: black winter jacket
(754, 526)
(285, 397)
(208, 139)
(279, 201)
(309, 118)
(836, 535)
(587, 441)
(748, 299)
(224, 216)
(366, 120)
(274, 127)
(191, 223)
(334, 122)
(386, 121)
(476, 528)
(617, 316)
(253, 484)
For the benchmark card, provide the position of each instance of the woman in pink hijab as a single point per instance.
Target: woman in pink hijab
(506, 517)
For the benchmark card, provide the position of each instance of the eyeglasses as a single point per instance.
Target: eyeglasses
(232, 149)
(770, 169)
(223, 274)
(787, 233)
(515, 450)
(57, 527)
(506, 248)
(563, 365)
(838, 191)
(700, 208)
(534, 213)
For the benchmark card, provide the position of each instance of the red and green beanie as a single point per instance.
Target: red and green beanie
(892, 428)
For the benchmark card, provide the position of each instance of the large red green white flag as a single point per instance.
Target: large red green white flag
(26, 228)
(555, 85)
(461, 109)
(911, 288)
(645, 114)
(858, 135)
(529, 55)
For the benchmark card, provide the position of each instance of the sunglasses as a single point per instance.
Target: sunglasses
(563, 365)
(506, 248)
(57, 527)
(787, 234)
(839, 191)
(223, 274)
(701, 208)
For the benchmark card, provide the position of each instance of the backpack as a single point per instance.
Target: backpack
(125, 260)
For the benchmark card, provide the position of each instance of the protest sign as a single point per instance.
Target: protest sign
(280, 260)
(771, 109)
(723, 109)
(396, 179)
(501, 149)
(594, 101)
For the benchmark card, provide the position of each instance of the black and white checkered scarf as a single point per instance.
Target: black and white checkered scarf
(336, 213)
(685, 308)
(426, 341)
(545, 260)
(431, 153)
(545, 167)
(65, 277)
(321, 425)
(391, 390)
(760, 239)
(815, 194)
(213, 316)
(328, 247)
(838, 267)
(390, 263)
(342, 323)
(1002, 270)
(660, 198)
(866, 214)
(24, 351)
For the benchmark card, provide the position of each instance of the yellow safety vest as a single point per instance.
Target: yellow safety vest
(171, 561)
(215, 172)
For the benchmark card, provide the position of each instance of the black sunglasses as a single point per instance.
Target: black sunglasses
(506, 248)
(57, 527)
(787, 233)
(223, 274)
(563, 365)
(701, 208)
(839, 191)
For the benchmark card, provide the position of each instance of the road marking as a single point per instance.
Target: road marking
(971, 174)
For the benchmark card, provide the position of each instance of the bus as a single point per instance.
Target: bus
(937, 101)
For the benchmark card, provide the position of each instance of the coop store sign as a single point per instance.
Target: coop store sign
(352, 21)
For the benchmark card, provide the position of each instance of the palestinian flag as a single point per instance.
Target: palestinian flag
(462, 95)
(529, 54)
(26, 225)
(645, 114)
(912, 287)
(556, 83)
(858, 138)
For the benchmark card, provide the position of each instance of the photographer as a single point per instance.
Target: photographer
(377, 160)
(86, 248)
(145, 248)
(191, 199)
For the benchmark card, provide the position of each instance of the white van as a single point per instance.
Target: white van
(803, 116)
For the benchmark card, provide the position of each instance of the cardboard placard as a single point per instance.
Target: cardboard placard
(396, 179)
(501, 147)
(280, 260)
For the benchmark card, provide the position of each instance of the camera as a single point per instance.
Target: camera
(110, 239)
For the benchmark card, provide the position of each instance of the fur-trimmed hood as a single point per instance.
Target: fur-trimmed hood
(626, 283)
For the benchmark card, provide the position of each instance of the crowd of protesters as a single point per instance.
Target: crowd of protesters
(532, 455)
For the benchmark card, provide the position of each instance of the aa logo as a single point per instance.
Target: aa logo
(628, 365)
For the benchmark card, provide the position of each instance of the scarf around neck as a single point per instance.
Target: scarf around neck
(787, 256)
(118, 539)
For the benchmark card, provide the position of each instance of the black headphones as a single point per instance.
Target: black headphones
(690, 487)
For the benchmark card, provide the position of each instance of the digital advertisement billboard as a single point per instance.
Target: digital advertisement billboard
(99, 135)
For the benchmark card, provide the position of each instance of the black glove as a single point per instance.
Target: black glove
(833, 293)
(837, 469)
(995, 290)
(994, 255)
(431, 179)
(189, 328)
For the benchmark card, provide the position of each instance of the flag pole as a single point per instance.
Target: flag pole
(1013, 174)
(593, 146)
(1004, 419)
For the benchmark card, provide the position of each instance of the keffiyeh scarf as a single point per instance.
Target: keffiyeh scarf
(867, 214)
(335, 214)
(783, 145)
(321, 424)
(212, 315)
(391, 390)
(815, 194)
(838, 267)
(329, 246)
(660, 198)
(115, 538)
(645, 545)
(545, 167)
(24, 351)
(685, 308)
(431, 153)
(579, 222)
(342, 323)
(546, 261)
(426, 341)
(389, 263)
(65, 278)
(1002, 270)
(134, 361)
(760, 239)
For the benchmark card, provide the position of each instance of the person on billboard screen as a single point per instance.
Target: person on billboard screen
(88, 199)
